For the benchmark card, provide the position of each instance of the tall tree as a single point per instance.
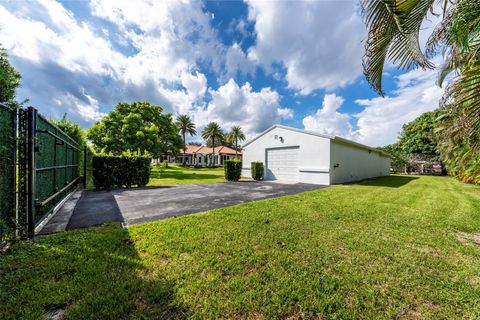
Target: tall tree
(236, 135)
(213, 132)
(394, 27)
(9, 80)
(418, 136)
(185, 126)
(138, 126)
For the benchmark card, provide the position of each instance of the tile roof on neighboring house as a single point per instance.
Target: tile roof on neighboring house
(190, 149)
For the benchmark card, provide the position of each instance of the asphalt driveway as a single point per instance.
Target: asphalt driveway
(132, 206)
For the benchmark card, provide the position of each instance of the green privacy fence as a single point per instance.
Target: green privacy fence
(7, 171)
(40, 166)
(56, 166)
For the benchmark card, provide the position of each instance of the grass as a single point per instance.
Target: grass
(179, 175)
(381, 249)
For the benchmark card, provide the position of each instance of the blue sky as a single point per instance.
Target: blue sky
(250, 63)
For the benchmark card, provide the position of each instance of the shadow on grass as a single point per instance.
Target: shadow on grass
(88, 274)
(391, 181)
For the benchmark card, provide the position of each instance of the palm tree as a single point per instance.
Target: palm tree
(394, 27)
(212, 132)
(185, 126)
(234, 136)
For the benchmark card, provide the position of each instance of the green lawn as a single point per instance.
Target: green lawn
(177, 175)
(398, 246)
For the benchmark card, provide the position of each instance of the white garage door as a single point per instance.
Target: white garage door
(282, 164)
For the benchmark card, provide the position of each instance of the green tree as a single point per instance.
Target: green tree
(418, 136)
(398, 157)
(235, 136)
(9, 80)
(76, 132)
(185, 126)
(394, 27)
(213, 133)
(136, 127)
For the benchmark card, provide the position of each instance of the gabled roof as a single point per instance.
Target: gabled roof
(336, 138)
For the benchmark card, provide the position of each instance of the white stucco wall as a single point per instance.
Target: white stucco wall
(356, 163)
(314, 153)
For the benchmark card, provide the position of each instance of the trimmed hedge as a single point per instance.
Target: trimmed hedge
(257, 170)
(120, 171)
(233, 169)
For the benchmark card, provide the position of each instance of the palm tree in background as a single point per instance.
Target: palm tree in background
(212, 132)
(234, 136)
(185, 126)
(394, 27)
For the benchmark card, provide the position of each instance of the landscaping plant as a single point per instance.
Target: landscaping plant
(257, 170)
(233, 169)
(120, 171)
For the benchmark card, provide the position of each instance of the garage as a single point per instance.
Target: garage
(296, 155)
(282, 164)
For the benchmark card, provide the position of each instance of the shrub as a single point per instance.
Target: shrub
(120, 171)
(233, 169)
(165, 163)
(257, 170)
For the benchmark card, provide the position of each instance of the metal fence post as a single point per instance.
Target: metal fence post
(31, 127)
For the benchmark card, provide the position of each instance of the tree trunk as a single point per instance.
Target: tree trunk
(184, 148)
(236, 148)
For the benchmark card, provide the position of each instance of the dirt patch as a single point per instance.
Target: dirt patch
(469, 238)
(55, 311)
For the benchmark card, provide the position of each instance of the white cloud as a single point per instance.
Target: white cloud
(68, 59)
(234, 105)
(328, 120)
(196, 85)
(318, 42)
(381, 120)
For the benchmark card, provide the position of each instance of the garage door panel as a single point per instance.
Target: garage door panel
(282, 164)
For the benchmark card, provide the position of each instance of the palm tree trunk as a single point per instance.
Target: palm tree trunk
(184, 148)
(236, 147)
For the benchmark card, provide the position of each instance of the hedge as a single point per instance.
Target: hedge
(233, 169)
(257, 170)
(120, 171)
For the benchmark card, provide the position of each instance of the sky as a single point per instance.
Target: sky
(249, 63)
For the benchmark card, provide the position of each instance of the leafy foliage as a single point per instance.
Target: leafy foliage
(185, 126)
(257, 170)
(235, 136)
(120, 171)
(213, 133)
(418, 137)
(138, 126)
(417, 141)
(9, 80)
(393, 32)
(233, 169)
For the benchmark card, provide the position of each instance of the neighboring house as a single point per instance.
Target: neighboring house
(296, 155)
(203, 156)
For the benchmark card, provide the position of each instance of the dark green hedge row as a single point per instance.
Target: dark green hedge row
(257, 170)
(233, 169)
(120, 171)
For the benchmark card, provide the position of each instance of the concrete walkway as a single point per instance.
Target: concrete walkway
(132, 206)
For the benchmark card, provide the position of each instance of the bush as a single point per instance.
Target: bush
(120, 171)
(257, 170)
(165, 163)
(233, 169)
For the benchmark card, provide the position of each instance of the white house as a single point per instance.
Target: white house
(201, 155)
(296, 155)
